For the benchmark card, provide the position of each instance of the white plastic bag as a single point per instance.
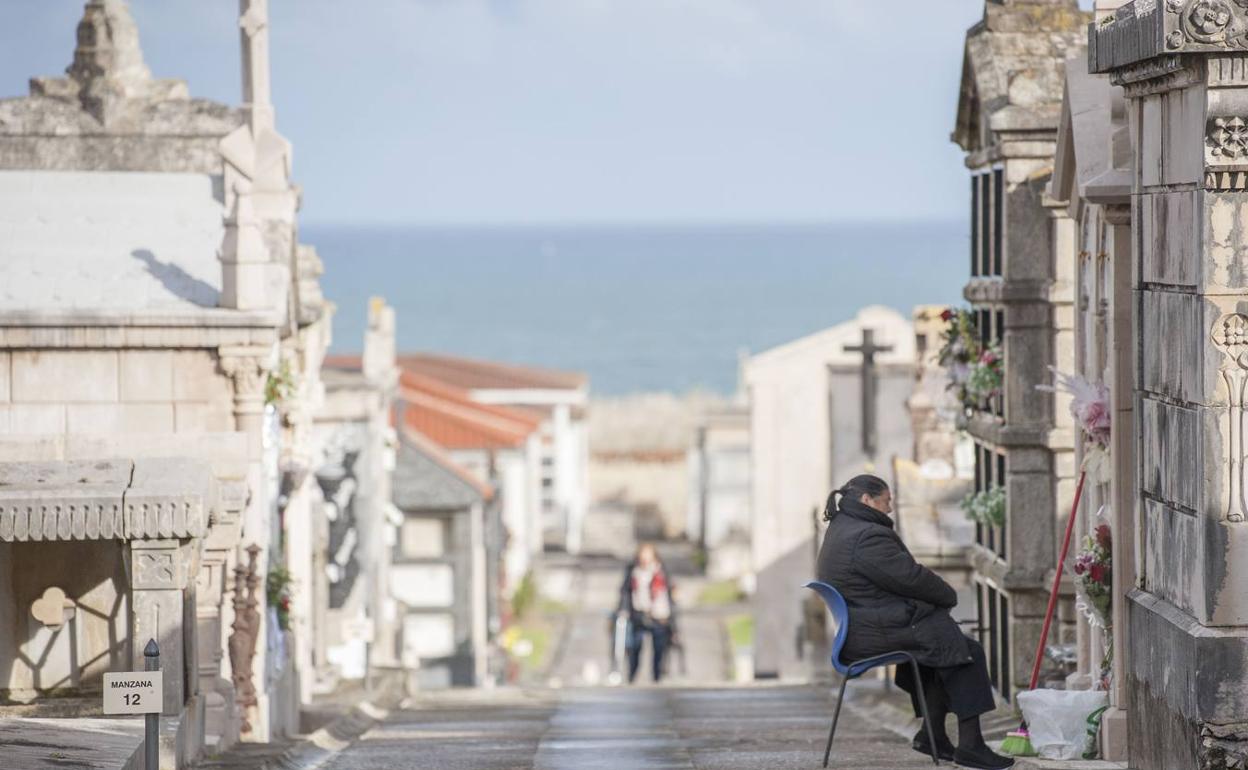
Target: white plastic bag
(1058, 719)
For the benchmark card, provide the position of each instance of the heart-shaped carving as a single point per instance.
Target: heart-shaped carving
(53, 609)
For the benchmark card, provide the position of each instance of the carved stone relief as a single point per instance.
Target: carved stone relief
(157, 567)
(1220, 23)
(1228, 138)
(1230, 335)
(1226, 145)
(1207, 21)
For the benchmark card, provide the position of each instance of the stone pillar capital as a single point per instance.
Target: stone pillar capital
(248, 368)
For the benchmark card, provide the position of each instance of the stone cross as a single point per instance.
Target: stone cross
(253, 26)
(870, 387)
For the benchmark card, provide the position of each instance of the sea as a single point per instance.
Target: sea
(637, 308)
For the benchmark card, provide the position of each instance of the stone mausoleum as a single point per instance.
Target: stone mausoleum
(161, 337)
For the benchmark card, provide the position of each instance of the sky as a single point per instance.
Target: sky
(577, 111)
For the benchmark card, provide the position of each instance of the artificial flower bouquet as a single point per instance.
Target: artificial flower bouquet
(986, 376)
(987, 507)
(1094, 575)
(1094, 585)
(975, 373)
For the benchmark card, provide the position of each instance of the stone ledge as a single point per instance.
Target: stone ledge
(39, 743)
(996, 431)
(105, 499)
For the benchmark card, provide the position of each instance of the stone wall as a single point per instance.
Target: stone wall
(48, 392)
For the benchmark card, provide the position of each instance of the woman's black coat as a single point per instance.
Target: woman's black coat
(895, 603)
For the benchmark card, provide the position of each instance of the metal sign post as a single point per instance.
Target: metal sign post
(151, 721)
(140, 692)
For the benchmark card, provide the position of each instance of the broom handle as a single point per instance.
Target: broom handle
(1057, 582)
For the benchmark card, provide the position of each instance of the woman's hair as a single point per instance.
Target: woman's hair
(854, 489)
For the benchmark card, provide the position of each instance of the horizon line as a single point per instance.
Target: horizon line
(625, 224)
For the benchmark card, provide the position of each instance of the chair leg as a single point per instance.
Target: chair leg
(927, 719)
(827, 752)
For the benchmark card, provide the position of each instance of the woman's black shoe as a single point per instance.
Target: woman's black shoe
(944, 747)
(982, 758)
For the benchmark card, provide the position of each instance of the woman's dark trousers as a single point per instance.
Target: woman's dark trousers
(660, 638)
(967, 689)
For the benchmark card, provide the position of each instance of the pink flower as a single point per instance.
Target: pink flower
(1089, 404)
(1079, 568)
(1095, 420)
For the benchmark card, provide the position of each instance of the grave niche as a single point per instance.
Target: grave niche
(93, 555)
(69, 602)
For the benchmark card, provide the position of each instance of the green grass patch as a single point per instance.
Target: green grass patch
(720, 593)
(741, 629)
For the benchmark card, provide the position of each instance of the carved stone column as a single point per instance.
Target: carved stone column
(213, 615)
(159, 574)
(244, 257)
(1123, 485)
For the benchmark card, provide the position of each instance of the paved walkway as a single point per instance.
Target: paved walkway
(754, 728)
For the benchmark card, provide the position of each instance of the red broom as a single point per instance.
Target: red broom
(1018, 743)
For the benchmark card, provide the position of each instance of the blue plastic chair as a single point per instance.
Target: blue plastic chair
(853, 670)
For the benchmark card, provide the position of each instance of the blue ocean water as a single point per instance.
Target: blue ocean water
(637, 308)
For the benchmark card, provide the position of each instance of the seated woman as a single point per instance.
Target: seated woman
(895, 604)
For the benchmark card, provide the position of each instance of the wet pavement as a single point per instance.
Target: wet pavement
(645, 728)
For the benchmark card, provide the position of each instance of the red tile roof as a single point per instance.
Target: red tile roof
(348, 362)
(448, 417)
(472, 374)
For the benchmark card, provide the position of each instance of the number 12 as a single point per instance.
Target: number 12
(132, 699)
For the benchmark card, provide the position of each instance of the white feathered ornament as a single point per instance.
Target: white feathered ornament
(1089, 406)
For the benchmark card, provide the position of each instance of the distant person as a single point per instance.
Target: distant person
(897, 604)
(646, 600)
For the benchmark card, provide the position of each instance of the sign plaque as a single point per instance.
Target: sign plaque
(133, 692)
